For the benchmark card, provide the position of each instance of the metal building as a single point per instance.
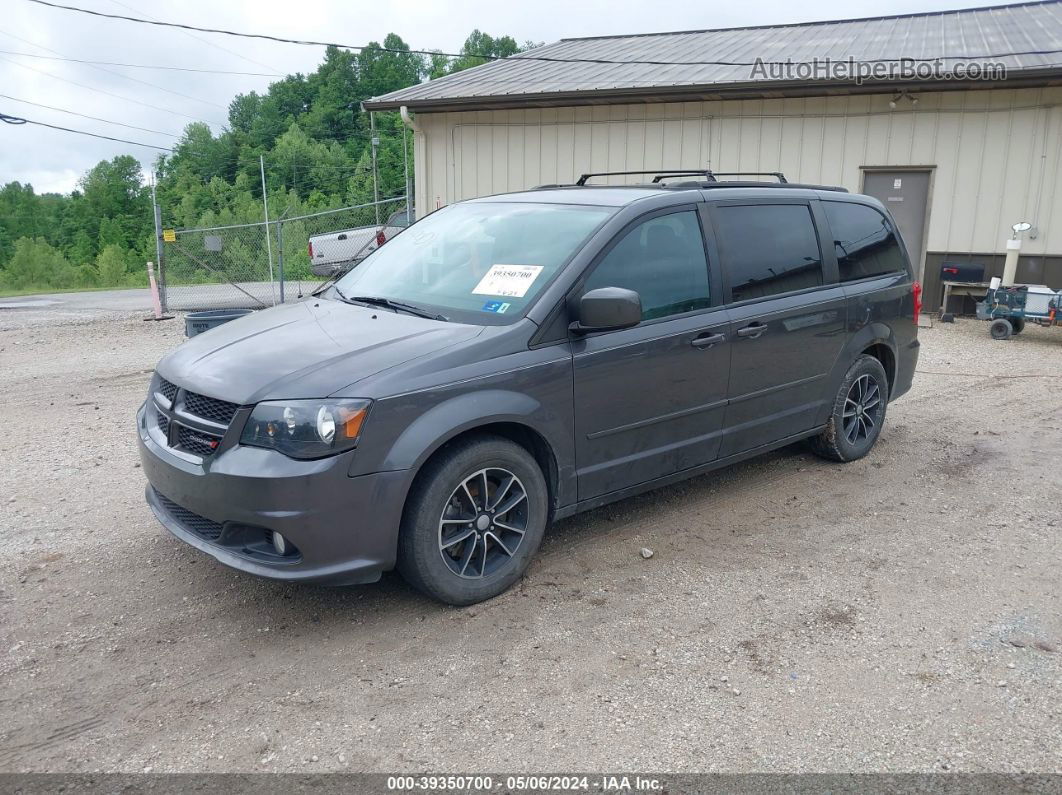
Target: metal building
(959, 160)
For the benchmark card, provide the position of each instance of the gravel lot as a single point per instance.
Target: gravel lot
(901, 613)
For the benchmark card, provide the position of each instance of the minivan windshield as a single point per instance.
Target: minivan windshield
(478, 262)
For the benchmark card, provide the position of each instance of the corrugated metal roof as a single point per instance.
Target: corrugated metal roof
(718, 62)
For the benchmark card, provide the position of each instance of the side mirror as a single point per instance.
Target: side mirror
(608, 309)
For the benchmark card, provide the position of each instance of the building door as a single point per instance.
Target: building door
(906, 194)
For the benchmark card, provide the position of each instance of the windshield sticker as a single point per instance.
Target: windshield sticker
(508, 281)
(496, 306)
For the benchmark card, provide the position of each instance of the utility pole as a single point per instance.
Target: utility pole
(269, 245)
(375, 178)
(156, 215)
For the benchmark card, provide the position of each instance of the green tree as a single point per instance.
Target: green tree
(81, 250)
(438, 66)
(114, 190)
(479, 44)
(381, 71)
(335, 86)
(35, 264)
(205, 156)
(112, 266)
(243, 111)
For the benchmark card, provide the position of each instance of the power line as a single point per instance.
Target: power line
(141, 65)
(102, 91)
(85, 116)
(517, 57)
(199, 39)
(267, 37)
(117, 74)
(18, 120)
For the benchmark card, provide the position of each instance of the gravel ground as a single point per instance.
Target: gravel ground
(900, 613)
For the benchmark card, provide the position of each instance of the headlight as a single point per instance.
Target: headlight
(306, 428)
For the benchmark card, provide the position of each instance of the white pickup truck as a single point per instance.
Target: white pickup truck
(335, 252)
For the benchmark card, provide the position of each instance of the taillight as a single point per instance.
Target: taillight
(309, 249)
(916, 292)
(381, 238)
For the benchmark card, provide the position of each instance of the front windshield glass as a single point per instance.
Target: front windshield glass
(478, 262)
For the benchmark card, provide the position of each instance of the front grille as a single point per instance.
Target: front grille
(185, 437)
(168, 390)
(209, 408)
(193, 522)
(198, 442)
(164, 423)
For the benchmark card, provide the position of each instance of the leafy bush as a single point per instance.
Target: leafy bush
(113, 266)
(35, 264)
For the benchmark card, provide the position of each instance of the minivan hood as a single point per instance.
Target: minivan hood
(311, 349)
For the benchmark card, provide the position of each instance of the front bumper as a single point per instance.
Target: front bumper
(344, 529)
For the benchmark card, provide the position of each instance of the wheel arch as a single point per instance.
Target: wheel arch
(887, 356)
(515, 416)
(873, 339)
(520, 434)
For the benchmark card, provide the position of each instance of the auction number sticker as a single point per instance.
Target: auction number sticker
(508, 281)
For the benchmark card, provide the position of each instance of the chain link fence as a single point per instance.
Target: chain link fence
(252, 266)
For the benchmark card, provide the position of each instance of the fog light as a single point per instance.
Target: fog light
(280, 544)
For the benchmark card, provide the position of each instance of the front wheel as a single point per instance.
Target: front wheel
(474, 519)
(858, 413)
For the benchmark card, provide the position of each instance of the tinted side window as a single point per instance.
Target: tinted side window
(662, 260)
(769, 249)
(864, 241)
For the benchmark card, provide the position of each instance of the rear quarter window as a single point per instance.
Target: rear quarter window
(863, 240)
(768, 249)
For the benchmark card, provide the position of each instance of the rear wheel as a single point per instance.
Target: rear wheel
(473, 521)
(1001, 329)
(858, 413)
(1019, 324)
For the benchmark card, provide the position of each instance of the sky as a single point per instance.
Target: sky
(165, 101)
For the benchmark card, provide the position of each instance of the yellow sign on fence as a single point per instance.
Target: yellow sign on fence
(169, 236)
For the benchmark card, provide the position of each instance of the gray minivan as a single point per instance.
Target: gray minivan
(512, 360)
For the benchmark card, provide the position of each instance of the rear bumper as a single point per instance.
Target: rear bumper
(906, 364)
(344, 529)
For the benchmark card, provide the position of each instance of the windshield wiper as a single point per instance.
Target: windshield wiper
(397, 306)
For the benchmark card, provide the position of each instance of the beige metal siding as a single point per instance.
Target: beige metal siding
(995, 154)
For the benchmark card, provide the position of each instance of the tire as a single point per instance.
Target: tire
(1001, 329)
(454, 548)
(850, 433)
(1019, 324)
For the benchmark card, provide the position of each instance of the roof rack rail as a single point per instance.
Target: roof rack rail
(733, 183)
(777, 174)
(662, 174)
(706, 178)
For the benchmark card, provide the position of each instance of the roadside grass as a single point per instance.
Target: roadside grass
(13, 293)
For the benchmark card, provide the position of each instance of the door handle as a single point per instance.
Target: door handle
(708, 340)
(753, 331)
